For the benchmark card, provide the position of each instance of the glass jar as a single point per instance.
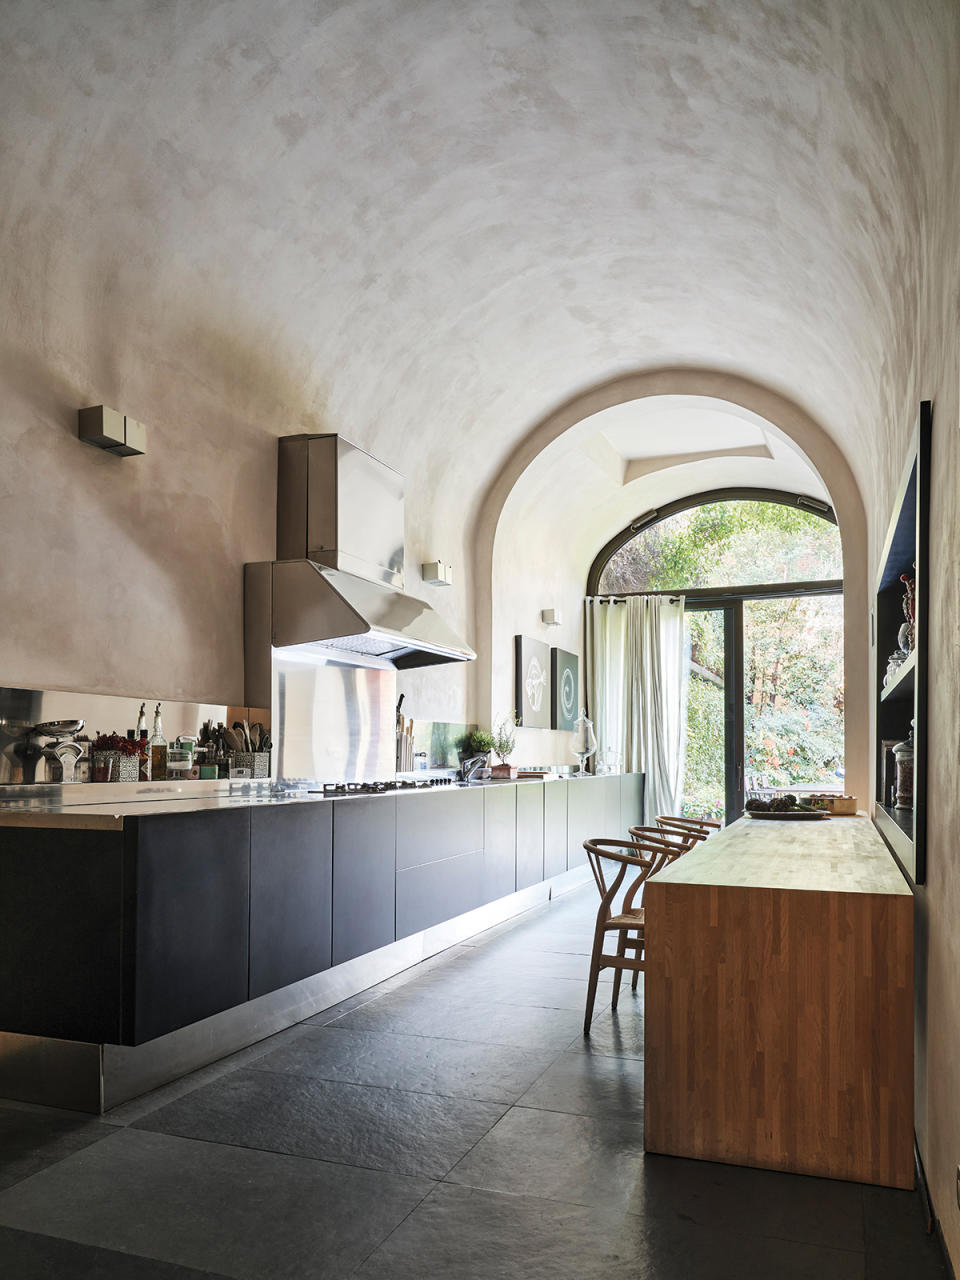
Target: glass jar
(903, 755)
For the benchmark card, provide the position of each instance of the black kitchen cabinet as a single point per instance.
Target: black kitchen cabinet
(291, 894)
(440, 858)
(499, 842)
(191, 918)
(61, 933)
(123, 934)
(364, 875)
(439, 824)
(438, 891)
(554, 828)
(530, 802)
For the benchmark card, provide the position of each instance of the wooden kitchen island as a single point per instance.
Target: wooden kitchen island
(779, 1003)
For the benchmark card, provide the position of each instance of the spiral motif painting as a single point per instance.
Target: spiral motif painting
(564, 688)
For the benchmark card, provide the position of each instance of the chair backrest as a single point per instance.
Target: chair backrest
(672, 844)
(699, 828)
(610, 860)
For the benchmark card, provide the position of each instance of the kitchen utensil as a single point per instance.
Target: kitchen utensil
(232, 740)
(246, 734)
(261, 733)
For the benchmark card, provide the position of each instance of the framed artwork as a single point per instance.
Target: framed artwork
(564, 688)
(532, 677)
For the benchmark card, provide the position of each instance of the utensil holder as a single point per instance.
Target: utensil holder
(124, 768)
(258, 762)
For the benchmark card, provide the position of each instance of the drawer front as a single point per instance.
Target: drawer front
(438, 825)
(437, 892)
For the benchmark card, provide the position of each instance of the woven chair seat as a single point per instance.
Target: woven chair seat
(626, 920)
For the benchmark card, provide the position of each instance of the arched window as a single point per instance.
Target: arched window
(722, 539)
(760, 572)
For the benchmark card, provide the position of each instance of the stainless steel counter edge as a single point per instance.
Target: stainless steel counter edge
(60, 812)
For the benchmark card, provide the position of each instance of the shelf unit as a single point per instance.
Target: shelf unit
(904, 699)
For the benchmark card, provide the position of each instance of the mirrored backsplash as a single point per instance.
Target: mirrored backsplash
(21, 709)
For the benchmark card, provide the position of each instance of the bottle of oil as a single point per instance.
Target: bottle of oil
(158, 749)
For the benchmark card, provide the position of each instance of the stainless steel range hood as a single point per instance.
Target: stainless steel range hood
(336, 585)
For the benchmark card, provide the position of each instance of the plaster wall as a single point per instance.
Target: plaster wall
(427, 231)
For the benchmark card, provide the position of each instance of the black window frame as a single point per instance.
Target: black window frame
(728, 599)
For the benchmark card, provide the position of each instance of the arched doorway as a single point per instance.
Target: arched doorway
(495, 529)
(760, 576)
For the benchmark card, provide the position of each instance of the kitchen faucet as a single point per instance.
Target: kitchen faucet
(470, 768)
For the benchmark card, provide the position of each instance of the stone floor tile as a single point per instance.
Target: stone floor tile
(33, 1138)
(373, 1128)
(248, 1215)
(24, 1255)
(534, 1028)
(453, 1068)
(467, 1233)
(590, 1084)
(556, 1156)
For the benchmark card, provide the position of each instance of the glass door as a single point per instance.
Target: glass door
(793, 694)
(713, 774)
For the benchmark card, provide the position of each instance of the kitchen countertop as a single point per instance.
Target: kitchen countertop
(68, 808)
(845, 855)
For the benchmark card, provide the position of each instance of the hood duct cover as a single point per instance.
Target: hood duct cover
(337, 581)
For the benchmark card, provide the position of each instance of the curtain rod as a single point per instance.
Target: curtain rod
(622, 600)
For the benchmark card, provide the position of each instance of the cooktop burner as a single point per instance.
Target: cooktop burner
(381, 788)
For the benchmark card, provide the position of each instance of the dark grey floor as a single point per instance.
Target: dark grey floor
(451, 1124)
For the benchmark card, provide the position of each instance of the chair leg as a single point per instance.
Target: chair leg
(593, 979)
(636, 972)
(617, 973)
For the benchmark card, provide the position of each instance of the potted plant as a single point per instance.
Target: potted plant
(480, 742)
(504, 741)
(115, 759)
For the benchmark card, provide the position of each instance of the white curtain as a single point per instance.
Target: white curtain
(635, 676)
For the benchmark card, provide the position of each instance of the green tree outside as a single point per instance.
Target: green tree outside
(793, 647)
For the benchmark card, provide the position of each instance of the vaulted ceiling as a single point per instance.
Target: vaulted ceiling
(426, 223)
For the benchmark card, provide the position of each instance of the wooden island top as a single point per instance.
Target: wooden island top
(778, 994)
(830, 855)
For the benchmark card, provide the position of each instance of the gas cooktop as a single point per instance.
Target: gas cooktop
(380, 788)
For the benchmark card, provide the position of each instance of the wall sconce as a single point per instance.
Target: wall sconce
(550, 617)
(112, 431)
(437, 574)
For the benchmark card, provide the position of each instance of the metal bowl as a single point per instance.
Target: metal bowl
(57, 729)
